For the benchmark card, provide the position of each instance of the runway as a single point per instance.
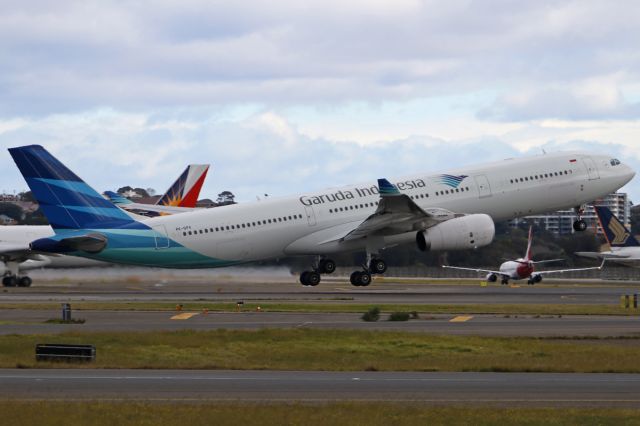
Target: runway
(18, 321)
(387, 291)
(518, 389)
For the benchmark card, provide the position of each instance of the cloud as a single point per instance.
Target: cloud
(252, 154)
(589, 99)
(74, 56)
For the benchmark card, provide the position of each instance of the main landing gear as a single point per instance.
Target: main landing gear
(373, 266)
(580, 225)
(312, 278)
(15, 281)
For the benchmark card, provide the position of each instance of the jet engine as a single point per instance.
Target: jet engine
(465, 232)
(491, 278)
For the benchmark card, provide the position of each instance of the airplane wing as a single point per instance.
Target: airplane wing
(14, 251)
(396, 214)
(146, 210)
(488, 271)
(599, 255)
(562, 271)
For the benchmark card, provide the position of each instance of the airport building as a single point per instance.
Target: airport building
(561, 222)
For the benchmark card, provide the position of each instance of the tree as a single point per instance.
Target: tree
(12, 210)
(225, 198)
(27, 196)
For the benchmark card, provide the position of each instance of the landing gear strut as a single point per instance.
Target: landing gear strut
(580, 225)
(312, 278)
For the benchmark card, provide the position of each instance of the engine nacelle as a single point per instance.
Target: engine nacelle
(491, 278)
(461, 233)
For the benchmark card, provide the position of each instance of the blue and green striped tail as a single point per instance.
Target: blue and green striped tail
(65, 199)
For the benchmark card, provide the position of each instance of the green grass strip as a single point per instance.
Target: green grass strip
(333, 350)
(344, 413)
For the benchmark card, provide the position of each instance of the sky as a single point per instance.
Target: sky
(287, 96)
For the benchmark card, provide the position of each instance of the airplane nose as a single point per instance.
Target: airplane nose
(628, 173)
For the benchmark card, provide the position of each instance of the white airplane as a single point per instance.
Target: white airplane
(522, 268)
(444, 211)
(181, 197)
(625, 248)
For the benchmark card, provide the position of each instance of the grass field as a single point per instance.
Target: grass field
(333, 350)
(338, 307)
(351, 414)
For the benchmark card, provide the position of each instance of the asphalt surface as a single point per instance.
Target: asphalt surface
(330, 290)
(19, 321)
(521, 389)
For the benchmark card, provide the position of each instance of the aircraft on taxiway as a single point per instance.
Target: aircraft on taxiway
(522, 268)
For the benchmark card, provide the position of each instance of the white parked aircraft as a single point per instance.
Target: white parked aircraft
(522, 268)
(444, 211)
(625, 248)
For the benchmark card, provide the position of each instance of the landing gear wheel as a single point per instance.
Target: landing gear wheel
(326, 266)
(365, 279)
(355, 278)
(24, 282)
(504, 282)
(377, 266)
(313, 278)
(360, 278)
(310, 278)
(530, 281)
(10, 281)
(580, 225)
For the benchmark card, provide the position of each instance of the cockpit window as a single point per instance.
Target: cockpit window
(614, 162)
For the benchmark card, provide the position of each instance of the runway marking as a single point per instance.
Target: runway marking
(184, 316)
(461, 318)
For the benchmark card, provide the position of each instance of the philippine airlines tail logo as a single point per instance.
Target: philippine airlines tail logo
(184, 191)
(452, 181)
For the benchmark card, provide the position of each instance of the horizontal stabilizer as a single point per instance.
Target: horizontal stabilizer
(116, 198)
(90, 243)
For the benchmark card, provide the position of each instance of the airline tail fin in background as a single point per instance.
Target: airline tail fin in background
(616, 233)
(65, 199)
(185, 190)
(529, 255)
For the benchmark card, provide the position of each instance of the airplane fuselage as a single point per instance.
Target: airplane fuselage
(313, 223)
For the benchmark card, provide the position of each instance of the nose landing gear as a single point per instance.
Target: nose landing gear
(579, 225)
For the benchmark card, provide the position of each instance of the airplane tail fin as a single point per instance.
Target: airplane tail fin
(65, 199)
(116, 198)
(616, 233)
(529, 255)
(185, 190)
